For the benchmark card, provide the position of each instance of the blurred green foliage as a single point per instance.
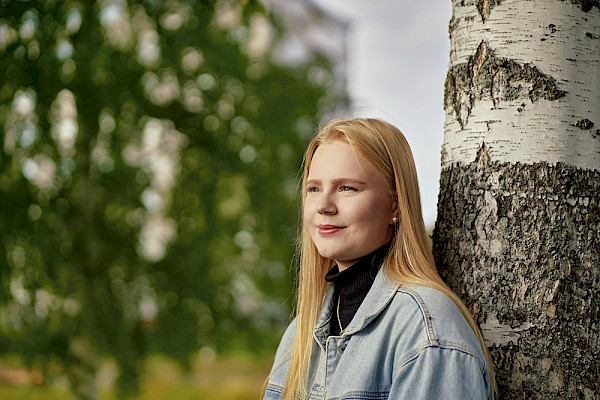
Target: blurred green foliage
(148, 168)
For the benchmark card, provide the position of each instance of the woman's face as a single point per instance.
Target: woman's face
(347, 209)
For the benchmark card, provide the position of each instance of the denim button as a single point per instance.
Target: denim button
(342, 348)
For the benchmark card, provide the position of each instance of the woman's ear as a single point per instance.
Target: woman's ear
(395, 215)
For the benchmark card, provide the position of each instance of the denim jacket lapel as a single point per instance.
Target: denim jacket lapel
(379, 296)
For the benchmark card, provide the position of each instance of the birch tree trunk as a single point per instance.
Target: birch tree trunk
(518, 229)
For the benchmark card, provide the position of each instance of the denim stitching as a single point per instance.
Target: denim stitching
(442, 347)
(362, 395)
(482, 368)
(426, 315)
(274, 388)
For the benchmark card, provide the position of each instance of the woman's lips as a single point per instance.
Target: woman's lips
(329, 229)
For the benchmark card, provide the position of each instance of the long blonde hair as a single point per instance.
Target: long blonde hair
(409, 260)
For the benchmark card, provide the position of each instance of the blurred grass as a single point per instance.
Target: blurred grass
(239, 377)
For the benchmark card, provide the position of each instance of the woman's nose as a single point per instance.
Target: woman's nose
(326, 204)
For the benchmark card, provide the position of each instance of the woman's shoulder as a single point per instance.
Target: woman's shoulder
(441, 331)
(286, 340)
(438, 316)
(427, 299)
(282, 359)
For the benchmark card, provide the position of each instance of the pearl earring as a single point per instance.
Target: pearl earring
(395, 220)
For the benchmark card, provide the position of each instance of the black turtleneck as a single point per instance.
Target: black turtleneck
(351, 287)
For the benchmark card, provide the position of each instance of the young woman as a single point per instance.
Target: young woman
(373, 318)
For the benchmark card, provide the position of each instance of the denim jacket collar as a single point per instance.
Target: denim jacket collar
(377, 299)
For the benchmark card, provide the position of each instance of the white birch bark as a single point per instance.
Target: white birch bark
(562, 42)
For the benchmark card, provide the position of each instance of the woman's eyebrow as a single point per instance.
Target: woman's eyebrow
(349, 180)
(337, 181)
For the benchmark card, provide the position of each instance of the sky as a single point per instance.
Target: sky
(398, 53)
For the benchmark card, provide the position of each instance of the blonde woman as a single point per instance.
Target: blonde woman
(373, 318)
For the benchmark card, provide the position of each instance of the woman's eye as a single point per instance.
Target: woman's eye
(312, 189)
(345, 188)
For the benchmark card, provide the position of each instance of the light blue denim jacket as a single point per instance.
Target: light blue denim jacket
(405, 342)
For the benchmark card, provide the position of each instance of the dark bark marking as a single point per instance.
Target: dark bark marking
(592, 35)
(587, 5)
(484, 7)
(486, 76)
(543, 270)
(584, 124)
(482, 155)
(452, 26)
(552, 30)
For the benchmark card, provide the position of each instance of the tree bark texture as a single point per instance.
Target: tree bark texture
(520, 244)
(518, 228)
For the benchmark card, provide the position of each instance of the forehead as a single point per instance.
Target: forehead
(338, 158)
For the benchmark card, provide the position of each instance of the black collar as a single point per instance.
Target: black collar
(353, 283)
